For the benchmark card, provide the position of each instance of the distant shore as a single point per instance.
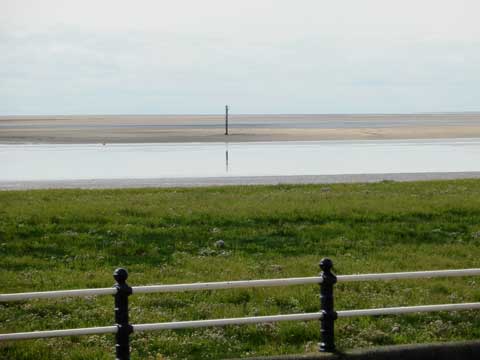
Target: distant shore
(243, 128)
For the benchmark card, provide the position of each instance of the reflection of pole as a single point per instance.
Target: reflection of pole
(226, 119)
(226, 157)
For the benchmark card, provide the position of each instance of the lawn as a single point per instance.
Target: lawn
(67, 239)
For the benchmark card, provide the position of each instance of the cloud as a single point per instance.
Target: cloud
(262, 56)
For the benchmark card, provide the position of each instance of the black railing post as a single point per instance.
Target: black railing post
(327, 341)
(122, 345)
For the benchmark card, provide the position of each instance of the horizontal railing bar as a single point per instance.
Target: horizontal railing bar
(225, 285)
(301, 280)
(59, 333)
(238, 284)
(224, 322)
(409, 309)
(57, 294)
(408, 275)
(163, 288)
(241, 321)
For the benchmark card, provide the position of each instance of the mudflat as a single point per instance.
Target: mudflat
(211, 128)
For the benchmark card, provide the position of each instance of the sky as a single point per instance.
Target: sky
(258, 56)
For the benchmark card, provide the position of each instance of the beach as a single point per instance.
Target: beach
(179, 133)
(242, 128)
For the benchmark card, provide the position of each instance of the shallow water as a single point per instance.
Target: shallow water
(143, 161)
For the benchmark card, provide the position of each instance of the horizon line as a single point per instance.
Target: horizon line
(246, 114)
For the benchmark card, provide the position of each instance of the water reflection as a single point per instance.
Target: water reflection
(226, 158)
(143, 161)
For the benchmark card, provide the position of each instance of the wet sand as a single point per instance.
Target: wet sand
(243, 128)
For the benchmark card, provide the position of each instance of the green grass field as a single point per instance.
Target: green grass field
(67, 239)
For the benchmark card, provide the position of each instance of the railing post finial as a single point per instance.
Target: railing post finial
(329, 315)
(122, 346)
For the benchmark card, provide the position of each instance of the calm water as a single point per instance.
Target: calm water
(96, 161)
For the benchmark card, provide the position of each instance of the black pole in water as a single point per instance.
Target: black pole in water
(329, 315)
(226, 119)
(122, 346)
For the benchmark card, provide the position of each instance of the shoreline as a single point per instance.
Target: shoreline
(232, 181)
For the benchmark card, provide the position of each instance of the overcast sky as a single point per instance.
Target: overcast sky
(259, 56)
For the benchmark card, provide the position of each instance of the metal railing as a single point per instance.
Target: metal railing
(327, 314)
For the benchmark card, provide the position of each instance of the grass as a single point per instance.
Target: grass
(67, 239)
